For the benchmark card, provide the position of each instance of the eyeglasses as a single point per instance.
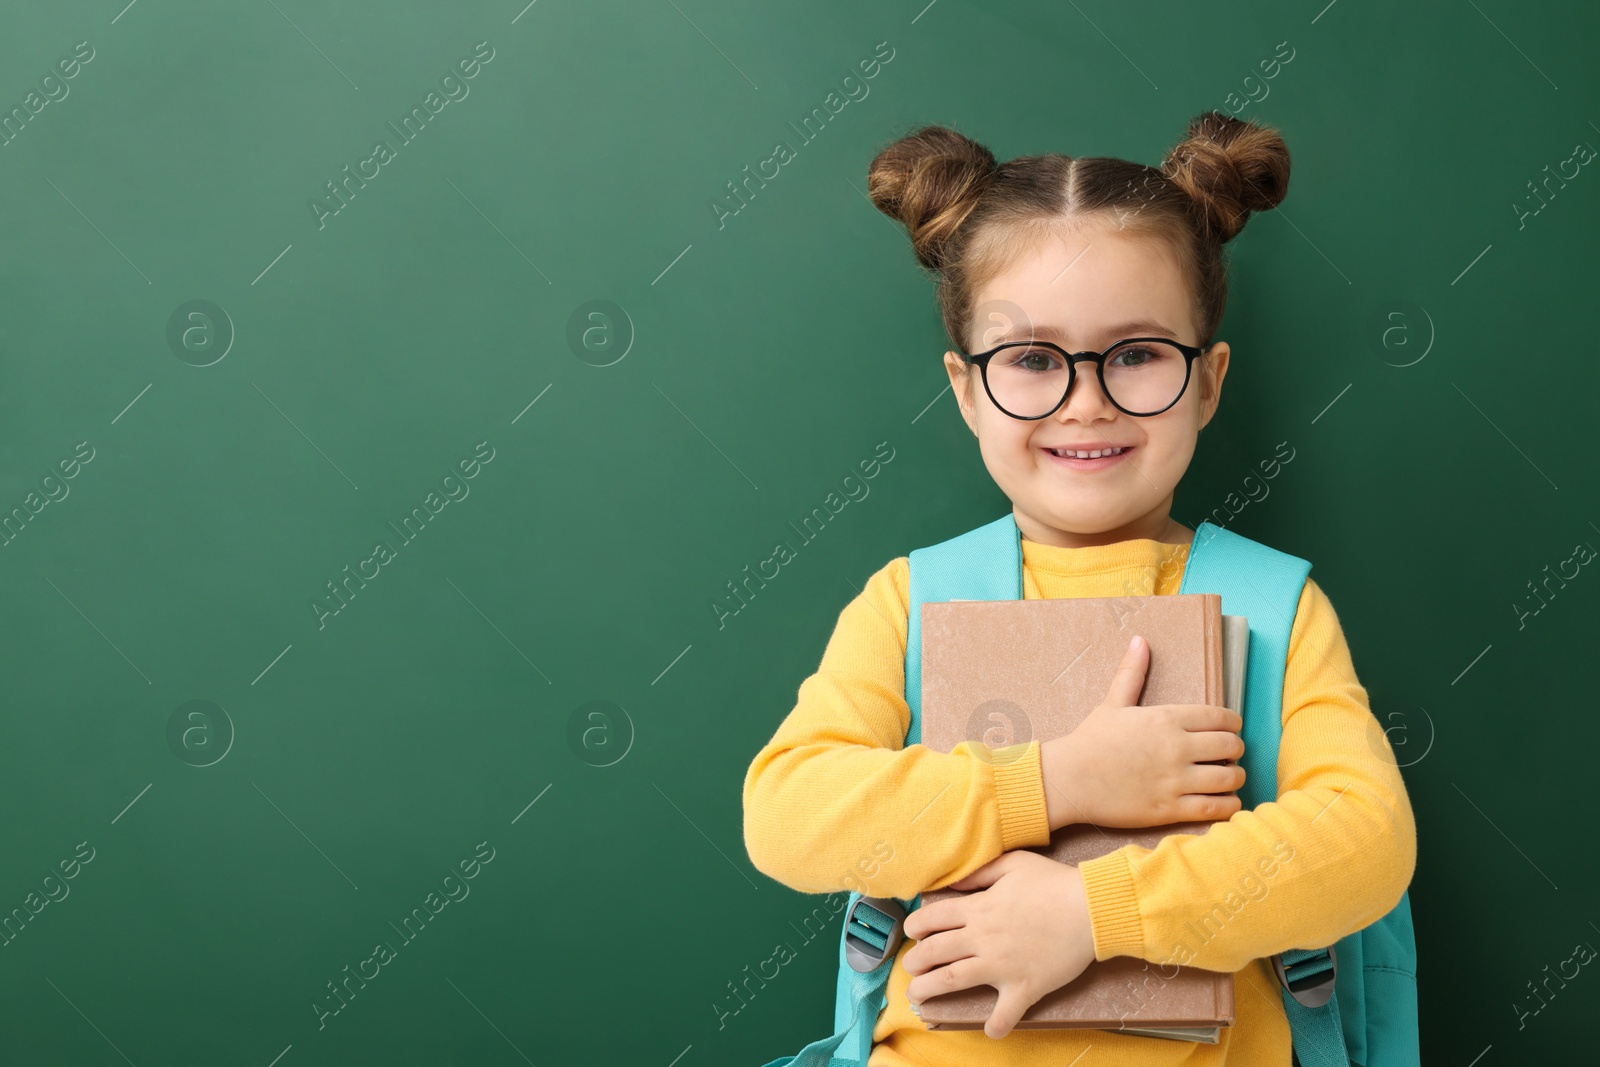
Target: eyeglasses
(1141, 376)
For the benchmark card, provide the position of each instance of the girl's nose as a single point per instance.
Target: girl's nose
(1085, 401)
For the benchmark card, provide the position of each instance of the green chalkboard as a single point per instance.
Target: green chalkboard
(391, 393)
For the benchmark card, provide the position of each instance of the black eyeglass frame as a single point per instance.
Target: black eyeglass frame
(1190, 354)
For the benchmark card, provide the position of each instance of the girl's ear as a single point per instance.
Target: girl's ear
(1213, 367)
(961, 384)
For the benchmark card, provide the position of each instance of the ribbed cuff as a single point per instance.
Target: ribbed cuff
(1113, 905)
(1019, 788)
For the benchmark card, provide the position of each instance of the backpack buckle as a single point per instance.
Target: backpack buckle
(1314, 972)
(872, 932)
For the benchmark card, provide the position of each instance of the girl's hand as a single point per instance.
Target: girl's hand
(1131, 766)
(1027, 934)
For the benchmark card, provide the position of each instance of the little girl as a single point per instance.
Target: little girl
(1087, 253)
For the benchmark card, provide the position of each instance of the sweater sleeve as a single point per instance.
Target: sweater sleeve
(836, 801)
(1332, 854)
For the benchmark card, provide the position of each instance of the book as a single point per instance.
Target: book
(1005, 672)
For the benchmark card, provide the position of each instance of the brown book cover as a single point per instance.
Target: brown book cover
(1005, 672)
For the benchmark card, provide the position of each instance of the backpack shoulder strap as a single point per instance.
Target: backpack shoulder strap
(1264, 585)
(981, 564)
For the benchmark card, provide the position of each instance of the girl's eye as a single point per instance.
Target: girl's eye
(1038, 360)
(1135, 356)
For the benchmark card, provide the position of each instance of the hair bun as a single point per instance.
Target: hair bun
(929, 181)
(1229, 168)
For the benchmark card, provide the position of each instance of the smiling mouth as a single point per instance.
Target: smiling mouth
(1084, 454)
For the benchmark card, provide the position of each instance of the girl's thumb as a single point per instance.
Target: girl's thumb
(1128, 682)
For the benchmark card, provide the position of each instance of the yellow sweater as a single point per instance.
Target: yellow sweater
(835, 801)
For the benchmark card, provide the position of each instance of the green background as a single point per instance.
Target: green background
(739, 371)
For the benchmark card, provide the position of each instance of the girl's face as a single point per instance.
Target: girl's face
(1085, 289)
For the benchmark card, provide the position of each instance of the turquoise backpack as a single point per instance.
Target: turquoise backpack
(1353, 1003)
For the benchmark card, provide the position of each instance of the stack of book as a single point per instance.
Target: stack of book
(1005, 672)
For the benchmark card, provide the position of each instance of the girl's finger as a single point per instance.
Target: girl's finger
(1128, 682)
(1008, 1011)
(929, 919)
(952, 977)
(1215, 744)
(1213, 778)
(936, 951)
(1200, 808)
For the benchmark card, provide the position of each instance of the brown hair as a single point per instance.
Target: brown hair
(968, 218)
